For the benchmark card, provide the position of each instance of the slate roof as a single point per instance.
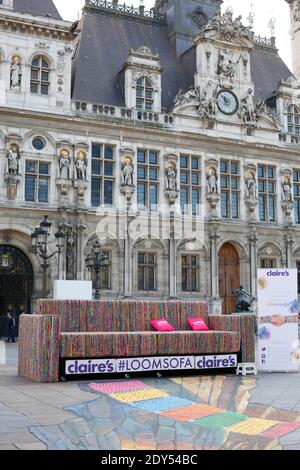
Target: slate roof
(106, 39)
(37, 7)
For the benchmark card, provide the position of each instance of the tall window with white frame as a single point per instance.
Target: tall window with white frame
(40, 76)
(296, 178)
(147, 272)
(190, 273)
(37, 177)
(190, 183)
(144, 94)
(230, 189)
(103, 174)
(267, 193)
(148, 179)
(293, 117)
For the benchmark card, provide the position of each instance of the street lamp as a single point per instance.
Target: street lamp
(97, 261)
(40, 239)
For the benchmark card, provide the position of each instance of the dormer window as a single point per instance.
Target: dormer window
(144, 94)
(40, 76)
(293, 116)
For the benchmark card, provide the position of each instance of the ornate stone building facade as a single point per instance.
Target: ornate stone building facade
(145, 117)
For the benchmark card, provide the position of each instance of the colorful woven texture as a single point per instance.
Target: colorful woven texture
(120, 316)
(87, 345)
(161, 404)
(198, 342)
(118, 387)
(119, 329)
(192, 412)
(220, 421)
(139, 395)
(245, 324)
(39, 347)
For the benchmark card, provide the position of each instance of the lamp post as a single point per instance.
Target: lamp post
(40, 240)
(97, 261)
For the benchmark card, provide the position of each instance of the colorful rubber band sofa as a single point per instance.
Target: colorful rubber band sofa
(121, 329)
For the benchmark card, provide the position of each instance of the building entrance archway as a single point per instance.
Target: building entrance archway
(16, 283)
(229, 277)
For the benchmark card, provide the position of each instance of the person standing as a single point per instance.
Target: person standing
(11, 328)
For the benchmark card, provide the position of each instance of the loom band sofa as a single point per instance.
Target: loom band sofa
(64, 330)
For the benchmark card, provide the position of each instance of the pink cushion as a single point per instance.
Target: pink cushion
(198, 324)
(162, 325)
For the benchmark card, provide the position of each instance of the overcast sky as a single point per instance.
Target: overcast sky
(264, 10)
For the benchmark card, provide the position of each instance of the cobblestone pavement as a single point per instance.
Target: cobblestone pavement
(223, 412)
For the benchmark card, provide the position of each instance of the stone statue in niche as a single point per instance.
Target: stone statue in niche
(13, 158)
(287, 191)
(15, 74)
(171, 191)
(64, 165)
(251, 187)
(127, 173)
(247, 111)
(171, 177)
(81, 166)
(212, 182)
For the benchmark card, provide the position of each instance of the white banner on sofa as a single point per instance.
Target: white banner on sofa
(278, 320)
(148, 364)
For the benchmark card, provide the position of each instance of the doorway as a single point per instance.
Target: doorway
(16, 284)
(229, 277)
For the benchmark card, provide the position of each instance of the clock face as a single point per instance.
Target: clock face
(227, 102)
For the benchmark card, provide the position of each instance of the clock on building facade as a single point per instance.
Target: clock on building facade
(227, 102)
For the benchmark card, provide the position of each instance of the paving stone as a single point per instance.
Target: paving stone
(293, 438)
(16, 437)
(78, 427)
(32, 446)
(92, 440)
(7, 447)
(292, 447)
(166, 433)
(101, 427)
(113, 440)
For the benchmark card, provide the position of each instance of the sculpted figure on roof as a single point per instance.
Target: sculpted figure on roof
(227, 26)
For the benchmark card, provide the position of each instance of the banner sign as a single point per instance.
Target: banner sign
(148, 364)
(278, 320)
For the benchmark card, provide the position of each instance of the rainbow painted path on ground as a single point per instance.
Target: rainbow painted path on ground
(138, 395)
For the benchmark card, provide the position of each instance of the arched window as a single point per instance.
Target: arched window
(293, 120)
(144, 94)
(40, 76)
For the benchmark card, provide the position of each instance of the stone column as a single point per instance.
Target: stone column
(127, 268)
(215, 302)
(172, 269)
(80, 254)
(172, 259)
(253, 239)
(289, 241)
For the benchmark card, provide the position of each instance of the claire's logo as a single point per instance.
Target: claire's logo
(278, 273)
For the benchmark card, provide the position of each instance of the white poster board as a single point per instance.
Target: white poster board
(73, 290)
(278, 320)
